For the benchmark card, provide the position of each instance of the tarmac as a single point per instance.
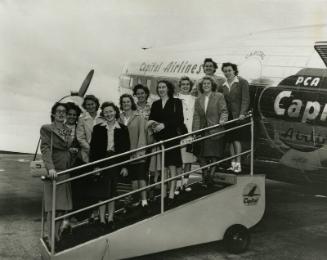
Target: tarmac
(294, 225)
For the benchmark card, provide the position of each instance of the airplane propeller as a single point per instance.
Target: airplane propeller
(77, 96)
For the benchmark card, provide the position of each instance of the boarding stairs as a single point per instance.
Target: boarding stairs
(203, 215)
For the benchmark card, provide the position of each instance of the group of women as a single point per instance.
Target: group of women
(74, 138)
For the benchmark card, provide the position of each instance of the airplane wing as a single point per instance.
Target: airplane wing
(321, 48)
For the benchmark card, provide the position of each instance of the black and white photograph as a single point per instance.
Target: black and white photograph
(176, 129)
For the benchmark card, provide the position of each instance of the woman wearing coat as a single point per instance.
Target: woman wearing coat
(108, 138)
(236, 92)
(57, 153)
(165, 118)
(84, 133)
(188, 101)
(85, 125)
(73, 113)
(136, 125)
(210, 109)
(143, 105)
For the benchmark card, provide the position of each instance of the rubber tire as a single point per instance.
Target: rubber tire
(237, 239)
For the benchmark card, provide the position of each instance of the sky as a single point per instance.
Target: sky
(48, 47)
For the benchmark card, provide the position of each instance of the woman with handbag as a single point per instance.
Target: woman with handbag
(188, 101)
(209, 109)
(56, 152)
(166, 119)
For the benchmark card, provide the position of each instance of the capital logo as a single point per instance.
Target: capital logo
(296, 117)
(251, 194)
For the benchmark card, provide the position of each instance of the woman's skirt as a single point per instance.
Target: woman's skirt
(212, 147)
(238, 134)
(103, 186)
(172, 157)
(63, 195)
(187, 157)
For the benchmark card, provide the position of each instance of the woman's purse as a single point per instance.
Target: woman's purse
(182, 129)
(37, 167)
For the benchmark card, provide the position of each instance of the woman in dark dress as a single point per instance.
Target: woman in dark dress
(108, 138)
(78, 186)
(166, 117)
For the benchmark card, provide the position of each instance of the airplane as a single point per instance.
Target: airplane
(286, 71)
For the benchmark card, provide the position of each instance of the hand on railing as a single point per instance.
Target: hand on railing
(124, 172)
(97, 173)
(73, 150)
(158, 127)
(222, 122)
(53, 174)
(187, 140)
(194, 137)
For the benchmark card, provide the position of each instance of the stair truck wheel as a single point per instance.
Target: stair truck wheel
(236, 239)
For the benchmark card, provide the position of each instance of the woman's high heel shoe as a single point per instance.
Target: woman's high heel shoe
(65, 229)
(237, 168)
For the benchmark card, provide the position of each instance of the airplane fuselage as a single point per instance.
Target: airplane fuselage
(288, 85)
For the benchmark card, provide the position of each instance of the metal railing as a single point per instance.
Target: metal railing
(196, 137)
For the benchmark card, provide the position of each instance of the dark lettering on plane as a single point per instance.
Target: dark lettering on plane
(183, 67)
(259, 54)
(295, 135)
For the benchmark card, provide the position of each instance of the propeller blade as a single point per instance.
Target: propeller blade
(85, 84)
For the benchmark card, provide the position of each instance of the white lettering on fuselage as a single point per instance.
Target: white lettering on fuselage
(311, 111)
(307, 81)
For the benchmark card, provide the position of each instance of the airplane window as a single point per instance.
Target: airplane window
(125, 81)
(131, 82)
(148, 83)
(141, 80)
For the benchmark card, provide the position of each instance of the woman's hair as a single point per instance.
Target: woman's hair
(215, 65)
(109, 104)
(227, 64)
(93, 98)
(170, 87)
(54, 108)
(73, 106)
(131, 99)
(140, 86)
(213, 83)
(185, 78)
